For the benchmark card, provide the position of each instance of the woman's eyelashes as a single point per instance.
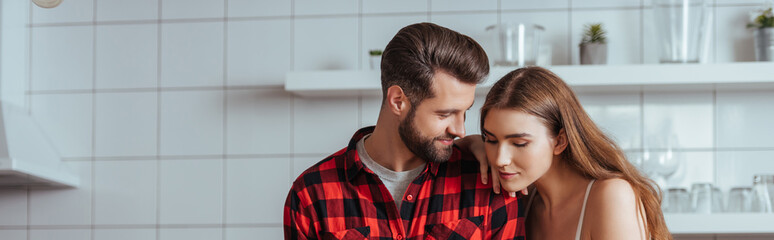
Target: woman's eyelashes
(490, 140)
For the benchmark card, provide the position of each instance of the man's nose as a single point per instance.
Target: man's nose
(457, 128)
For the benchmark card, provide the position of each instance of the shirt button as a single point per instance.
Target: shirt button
(400, 237)
(410, 197)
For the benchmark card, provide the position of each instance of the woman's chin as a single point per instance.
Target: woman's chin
(514, 187)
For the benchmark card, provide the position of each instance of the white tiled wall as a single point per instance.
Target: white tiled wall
(125, 192)
(174, 116)
(117, 49)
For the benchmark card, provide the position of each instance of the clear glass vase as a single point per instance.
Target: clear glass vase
(515, 44)
(683, 28)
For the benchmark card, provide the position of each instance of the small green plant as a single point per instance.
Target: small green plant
(763, 19)
(594, 33)
(375, 52)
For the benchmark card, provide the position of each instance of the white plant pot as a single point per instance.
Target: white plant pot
(376, 62)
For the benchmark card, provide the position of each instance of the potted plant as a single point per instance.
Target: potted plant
(375, 57)
(763, 33)
(593, 47)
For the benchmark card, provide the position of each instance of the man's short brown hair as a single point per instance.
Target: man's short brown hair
(418, 51)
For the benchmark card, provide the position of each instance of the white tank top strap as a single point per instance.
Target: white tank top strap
(583, 211)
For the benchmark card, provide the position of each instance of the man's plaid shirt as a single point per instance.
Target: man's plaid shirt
(339, 198)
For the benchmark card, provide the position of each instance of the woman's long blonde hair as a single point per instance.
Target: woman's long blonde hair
(541, 93)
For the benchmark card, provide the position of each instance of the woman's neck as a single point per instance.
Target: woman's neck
(560, 187)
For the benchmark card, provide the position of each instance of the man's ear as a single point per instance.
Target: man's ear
(561, 142)
(397, 101)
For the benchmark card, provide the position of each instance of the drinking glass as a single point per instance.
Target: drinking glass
(763, 193)
(705, 199)
(717, 200)
(740, 200)
(678, 201)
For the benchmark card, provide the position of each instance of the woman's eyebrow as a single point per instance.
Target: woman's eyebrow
(514, 135)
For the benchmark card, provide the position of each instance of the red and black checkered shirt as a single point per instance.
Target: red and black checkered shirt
(339, 198)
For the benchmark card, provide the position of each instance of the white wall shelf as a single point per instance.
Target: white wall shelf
(722, 223)
(581, 78)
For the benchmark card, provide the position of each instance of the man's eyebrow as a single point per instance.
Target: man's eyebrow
(452, 110)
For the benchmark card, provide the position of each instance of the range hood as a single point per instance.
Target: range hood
(27, 156)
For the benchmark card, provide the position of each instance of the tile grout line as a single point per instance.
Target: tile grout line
(158, 119)
(569, 33)
(715, 133)
(360, 112)
(429, 10)
(714, 34)
(499, 12)
(264, 18)
(642, 91)
(359, 50)
(28, 98)
(642, 124)
(29, 61)
(714, 96)
(93, 119)
(134, 90)
(268, 18)
(140, 226)
(292, 103)
(224, 158)
(360, 59)
(1, 44)
(642, 31)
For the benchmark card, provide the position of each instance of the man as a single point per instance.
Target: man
(404, 178)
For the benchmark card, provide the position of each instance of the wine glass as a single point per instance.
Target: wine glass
(660, 165)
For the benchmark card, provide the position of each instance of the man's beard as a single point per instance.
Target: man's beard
(422, 146)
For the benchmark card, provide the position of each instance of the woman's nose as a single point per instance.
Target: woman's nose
(502, 157)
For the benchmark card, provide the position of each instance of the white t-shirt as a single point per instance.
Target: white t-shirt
(396, 182)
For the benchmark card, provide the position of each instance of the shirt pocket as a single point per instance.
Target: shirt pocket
(349, 234)
(465, 228)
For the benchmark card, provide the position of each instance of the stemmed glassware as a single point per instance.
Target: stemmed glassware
(660, 165)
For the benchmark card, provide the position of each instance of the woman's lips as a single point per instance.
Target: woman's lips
(507, 175)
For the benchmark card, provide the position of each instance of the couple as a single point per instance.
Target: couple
(406, 177)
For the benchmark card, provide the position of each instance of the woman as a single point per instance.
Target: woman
(538, 137)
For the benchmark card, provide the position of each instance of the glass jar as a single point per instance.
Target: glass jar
(683, 28)
(763, 193)
(515, 44)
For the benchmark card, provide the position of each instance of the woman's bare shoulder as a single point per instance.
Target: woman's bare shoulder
(613, 210)
(613, 190)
